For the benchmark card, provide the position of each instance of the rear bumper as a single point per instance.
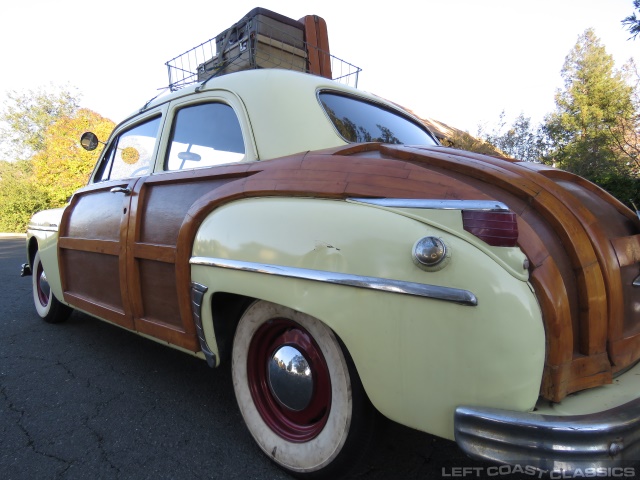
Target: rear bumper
(567, 443)
(551, 442)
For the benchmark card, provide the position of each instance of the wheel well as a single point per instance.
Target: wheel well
(227, 308)
(32, 249)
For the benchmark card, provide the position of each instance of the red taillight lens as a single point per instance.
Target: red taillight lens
(498, 229)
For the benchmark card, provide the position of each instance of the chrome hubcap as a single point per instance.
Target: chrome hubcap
(290, 378)
(43, 288)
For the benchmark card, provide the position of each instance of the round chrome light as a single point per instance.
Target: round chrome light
(290, 378)
(429, 251)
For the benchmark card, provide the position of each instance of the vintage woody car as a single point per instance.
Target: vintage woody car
(323, 242)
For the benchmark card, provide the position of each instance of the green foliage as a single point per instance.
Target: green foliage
(520, 140)
(44, 127)
(63, 166)
(625, 188)
(27, 115)
(632, 23)
(464, 141)
(19, 196)
(593, 112)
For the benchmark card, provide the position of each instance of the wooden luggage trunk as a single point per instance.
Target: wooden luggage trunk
(261, 39)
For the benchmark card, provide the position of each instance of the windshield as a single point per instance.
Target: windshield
(359, 121)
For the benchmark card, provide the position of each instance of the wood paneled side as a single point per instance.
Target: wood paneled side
(159, 293)
(91, 250)
(97, 216)
(559, 209)
(574, 277)
(160, 206)
(164, 206)
(343, 177)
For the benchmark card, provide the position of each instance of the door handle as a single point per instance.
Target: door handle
(125, 190)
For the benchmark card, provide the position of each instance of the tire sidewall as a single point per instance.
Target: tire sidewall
(321, 451)
(43, 310)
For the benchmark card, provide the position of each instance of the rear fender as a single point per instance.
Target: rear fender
(418, 356)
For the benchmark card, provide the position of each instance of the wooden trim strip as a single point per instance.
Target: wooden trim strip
(106, 247)
(169, 333)
(90, 306)
(160, 253)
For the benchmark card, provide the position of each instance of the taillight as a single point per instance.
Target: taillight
(498, 229)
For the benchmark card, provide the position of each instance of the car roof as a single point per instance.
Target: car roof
(281, 105)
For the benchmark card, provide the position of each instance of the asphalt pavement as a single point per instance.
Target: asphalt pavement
(88, 400)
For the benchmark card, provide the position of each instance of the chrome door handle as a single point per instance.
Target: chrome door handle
(125, 190)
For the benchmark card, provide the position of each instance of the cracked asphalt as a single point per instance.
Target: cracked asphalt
(88, 400)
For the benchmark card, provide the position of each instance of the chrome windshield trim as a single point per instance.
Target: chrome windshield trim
(455, 295)
(431, 204)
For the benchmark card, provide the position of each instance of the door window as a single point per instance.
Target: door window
(131, 153)
(204, 135)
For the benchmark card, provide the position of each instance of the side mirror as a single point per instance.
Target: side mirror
(89, 141)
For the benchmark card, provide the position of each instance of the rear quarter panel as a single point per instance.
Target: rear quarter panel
(418, 358)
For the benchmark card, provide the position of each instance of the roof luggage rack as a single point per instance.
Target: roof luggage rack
(263, 39)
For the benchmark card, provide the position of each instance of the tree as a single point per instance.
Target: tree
(19, 197)
(595, 114)
(632, 23)
(521, 140)
(27, 115)
(465, 141)
(62, 165)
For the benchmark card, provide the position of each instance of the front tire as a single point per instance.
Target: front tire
(47, 305)
(299, 393)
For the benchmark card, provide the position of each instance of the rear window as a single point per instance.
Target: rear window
(359, 121)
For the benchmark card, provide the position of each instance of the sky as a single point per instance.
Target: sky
(461, 62)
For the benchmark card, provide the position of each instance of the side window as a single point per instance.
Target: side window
(204, 135)
(131, 153)
(357, 120)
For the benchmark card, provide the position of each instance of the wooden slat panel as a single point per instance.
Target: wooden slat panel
(107, 247)
(627, 250)
(107, 312)
(168, 333)
(164, 206)
(161, 253)
(159, 293)
(97, 215)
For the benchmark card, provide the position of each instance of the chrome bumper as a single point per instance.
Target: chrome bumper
(553, 443)
(25, 270)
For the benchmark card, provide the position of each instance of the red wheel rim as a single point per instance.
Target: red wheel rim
(294, 426)
(42, 296)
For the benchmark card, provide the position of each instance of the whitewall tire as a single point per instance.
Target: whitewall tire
(299, 392)
(47, 305)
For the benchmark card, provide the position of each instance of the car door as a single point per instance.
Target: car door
(203, 148)
(92, 251)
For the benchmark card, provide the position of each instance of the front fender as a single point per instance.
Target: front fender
(418, 356)
(43, 229)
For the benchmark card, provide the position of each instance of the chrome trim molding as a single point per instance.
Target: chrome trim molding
(636, 282)
(430, 204)
(197, 294)
(455, 295)
(42, 227)
(551, 442)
